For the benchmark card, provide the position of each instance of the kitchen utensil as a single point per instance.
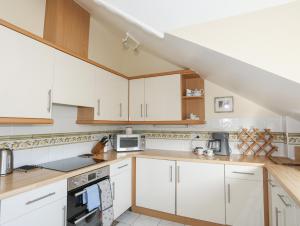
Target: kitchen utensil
(6, 161)
(99, 147)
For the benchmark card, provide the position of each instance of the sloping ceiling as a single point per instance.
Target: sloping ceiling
(274, 90)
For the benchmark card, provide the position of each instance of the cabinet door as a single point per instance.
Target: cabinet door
(111, 99)
(163, 98)
(26, 75)
(49, 215)
(200, 191)
(121, 187)
(155, 184)
(244, 202)
(137, 100)
(74, 81)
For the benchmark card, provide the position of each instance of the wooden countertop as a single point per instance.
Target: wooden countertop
(18, 182)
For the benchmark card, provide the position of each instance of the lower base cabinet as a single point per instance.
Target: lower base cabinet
(200, 191)
(121, 183)
(155, 184)
(53, 214)
(283, 210)
(43, 206)
(244, 196)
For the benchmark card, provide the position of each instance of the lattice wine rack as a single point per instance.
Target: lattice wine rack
(254, 142)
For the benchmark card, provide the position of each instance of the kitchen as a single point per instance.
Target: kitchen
(104, 122)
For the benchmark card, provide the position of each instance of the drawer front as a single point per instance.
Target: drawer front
(244, 172)
(26, 202)
(120, 167)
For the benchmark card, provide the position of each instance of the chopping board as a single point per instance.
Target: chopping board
(285, 161)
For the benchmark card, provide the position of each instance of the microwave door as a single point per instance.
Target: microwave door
(129, 144)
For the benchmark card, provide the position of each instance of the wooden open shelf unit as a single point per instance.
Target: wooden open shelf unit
(191, 104)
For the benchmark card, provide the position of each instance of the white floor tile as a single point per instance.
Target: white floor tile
(122, 224)
(169, 223)
(146, 221)
(128, 218)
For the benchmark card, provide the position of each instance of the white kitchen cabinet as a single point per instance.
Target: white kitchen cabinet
(26, 75)
(163, 98)
(155, 99)
(41, 206)
(137, 100)
(244, 203)
(155, 184)
(284, 211)
(200, 191)
(74, 81)
(49, 215)
(111, 98)
(121, 181)
(244, 195)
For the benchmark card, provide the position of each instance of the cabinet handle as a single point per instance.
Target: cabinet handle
(178, 174)
(65, 216)
(49, 100)
(284, 202)
(146, 110)
(120, 167)
(114, 190)
(171, 174)
(228, 193)
(272, 185)
(98, 107)
(141, 110)
(245, 173)
(40, 198)
(277, 212)
(121, 110)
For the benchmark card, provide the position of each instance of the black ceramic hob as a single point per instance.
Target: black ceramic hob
(70, 164)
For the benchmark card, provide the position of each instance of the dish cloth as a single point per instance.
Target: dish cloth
(92, 197)
(106, 202)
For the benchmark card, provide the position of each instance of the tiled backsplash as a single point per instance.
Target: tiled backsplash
(38, 143)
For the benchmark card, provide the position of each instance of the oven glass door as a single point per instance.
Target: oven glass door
(129, 142)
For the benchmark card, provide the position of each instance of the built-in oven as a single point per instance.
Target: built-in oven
(77, 212)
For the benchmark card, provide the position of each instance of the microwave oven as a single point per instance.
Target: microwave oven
(129, 142)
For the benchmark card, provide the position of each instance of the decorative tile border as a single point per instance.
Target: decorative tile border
(46, 140)
(279, 137)
(20, 142)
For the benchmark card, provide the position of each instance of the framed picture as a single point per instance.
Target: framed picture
(223, 104)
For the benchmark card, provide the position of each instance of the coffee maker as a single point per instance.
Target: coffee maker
(219, 143)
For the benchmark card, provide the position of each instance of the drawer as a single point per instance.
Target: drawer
(244, 172)
(120, 167)
(26, 202)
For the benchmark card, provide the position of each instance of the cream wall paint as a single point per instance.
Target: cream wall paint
(267, 39)
(106, 48)
(28, 14)
(242, 106)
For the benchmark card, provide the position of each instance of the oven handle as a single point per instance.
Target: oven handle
(79, 193)
(85, 216)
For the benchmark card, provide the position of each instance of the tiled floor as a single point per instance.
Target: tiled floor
(133, 219)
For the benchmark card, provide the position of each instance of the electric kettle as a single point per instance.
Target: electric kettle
(6, 161)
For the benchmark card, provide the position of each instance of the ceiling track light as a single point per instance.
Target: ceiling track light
(129, 37)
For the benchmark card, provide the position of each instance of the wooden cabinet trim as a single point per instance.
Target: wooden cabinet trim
(180, 122)
(24, 121)
(39, 39)
(182, 72)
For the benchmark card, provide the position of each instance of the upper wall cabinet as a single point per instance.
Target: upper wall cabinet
(74, 81)
(26, 75)
(111, 98)
(162, 99)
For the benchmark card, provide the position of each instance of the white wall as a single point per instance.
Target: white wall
(105, 47)
(267, 39)
(168, 15)
(27, 14)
